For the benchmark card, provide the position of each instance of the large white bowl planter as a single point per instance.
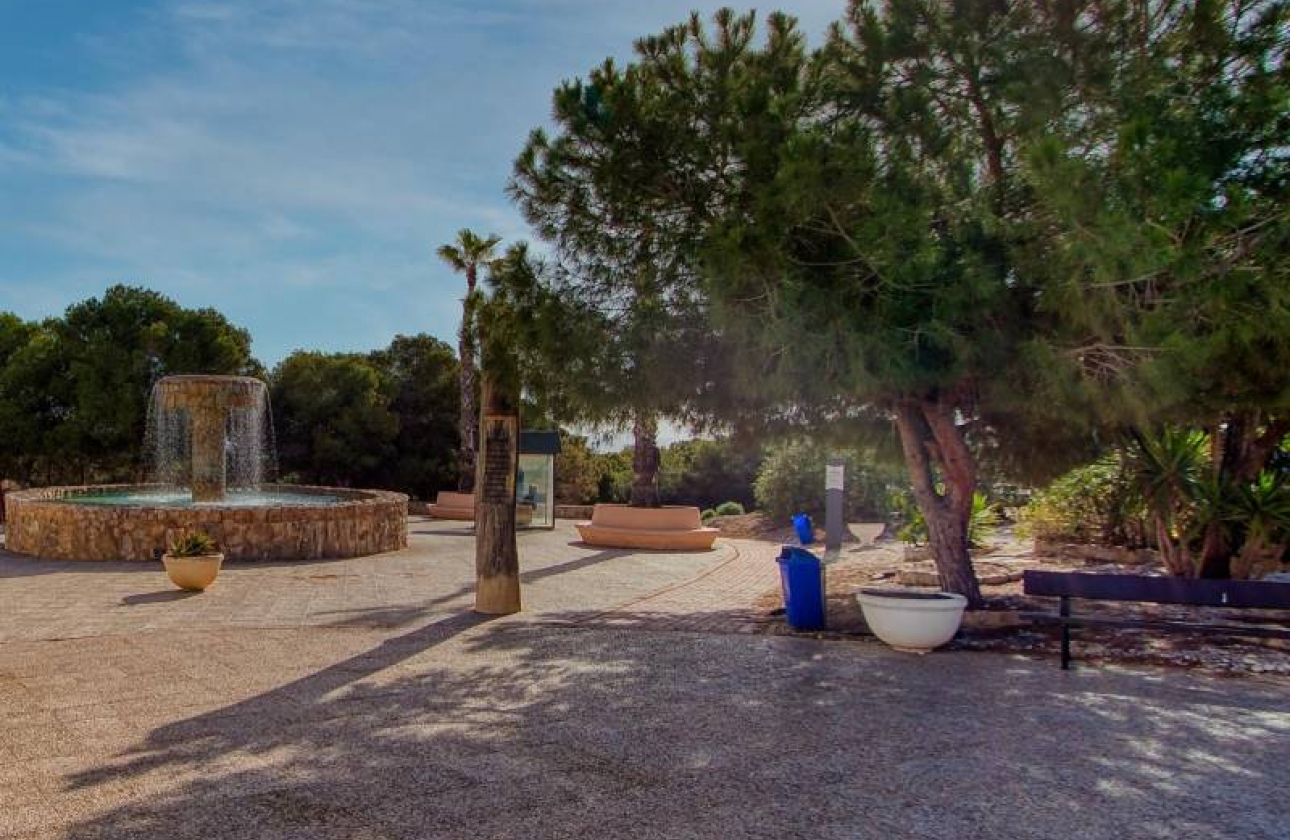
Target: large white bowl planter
(912, 621)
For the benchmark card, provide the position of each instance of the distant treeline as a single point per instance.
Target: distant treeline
(74, 397)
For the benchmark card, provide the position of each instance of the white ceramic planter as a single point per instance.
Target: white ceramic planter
(912, 621)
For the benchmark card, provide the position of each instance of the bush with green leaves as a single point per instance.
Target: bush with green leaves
(982, 522)
(706, 473)
(1263, 508)
(791, 481)
(1199, 515)
(613, 472)
(577, 476)
(1090, 504)
(1162, 490)
(729, 509)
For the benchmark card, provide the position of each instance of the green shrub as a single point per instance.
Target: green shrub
(1089, 504)
(613, 475)
(729, 509)
(985, 516)
(577, 473)
(708, 513)
(791, 480)
(706, 472)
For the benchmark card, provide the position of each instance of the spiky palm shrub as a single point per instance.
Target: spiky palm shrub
(1166, 472)
(1263, 509)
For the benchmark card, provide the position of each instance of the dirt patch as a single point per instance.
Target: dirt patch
(745, 526)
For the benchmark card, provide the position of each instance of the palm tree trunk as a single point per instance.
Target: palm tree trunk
(497, 564)
(469, 416)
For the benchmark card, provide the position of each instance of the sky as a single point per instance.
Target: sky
(292, 163)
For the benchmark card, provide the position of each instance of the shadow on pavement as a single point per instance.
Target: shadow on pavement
(454, 729)
(158, 597)
(396, 617)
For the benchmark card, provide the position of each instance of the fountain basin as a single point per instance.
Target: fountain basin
(138, 522)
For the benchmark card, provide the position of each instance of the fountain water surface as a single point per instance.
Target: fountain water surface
(211, 444)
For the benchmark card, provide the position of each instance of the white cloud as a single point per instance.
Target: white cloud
(303, 155)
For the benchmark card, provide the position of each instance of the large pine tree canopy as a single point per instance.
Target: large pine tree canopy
(1008, 226)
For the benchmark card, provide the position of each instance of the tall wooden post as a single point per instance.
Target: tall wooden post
(834, 478)
(497, 562)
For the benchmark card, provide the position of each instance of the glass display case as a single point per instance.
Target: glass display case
(535, 483)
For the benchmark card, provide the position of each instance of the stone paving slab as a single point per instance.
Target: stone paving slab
(361, 699)
(720, 599)
(41, 599)
(498, 729)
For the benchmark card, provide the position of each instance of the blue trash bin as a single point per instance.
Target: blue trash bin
(801, 575)
(805, 530)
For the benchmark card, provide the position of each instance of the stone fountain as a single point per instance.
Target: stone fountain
(199, 425)
(211, 444)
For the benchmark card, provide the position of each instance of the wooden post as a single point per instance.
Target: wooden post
(497, 563)
(834, 473)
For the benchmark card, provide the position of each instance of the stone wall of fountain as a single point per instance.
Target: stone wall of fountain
(64, 523)
(211, 442)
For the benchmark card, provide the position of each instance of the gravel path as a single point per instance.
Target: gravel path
(362, 700)
(460, 728)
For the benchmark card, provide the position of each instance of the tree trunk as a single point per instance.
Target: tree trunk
(1176, 555)
(645, 461)
(1239, 451)
(469, 418)
(933, 444)
(497, 564)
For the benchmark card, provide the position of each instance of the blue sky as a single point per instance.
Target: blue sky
(293, 163)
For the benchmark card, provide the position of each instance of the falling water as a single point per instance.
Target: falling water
(250, 450)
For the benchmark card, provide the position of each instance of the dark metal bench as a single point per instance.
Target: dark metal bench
(1235, 594)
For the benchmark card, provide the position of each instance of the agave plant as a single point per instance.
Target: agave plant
(193, 544)
(1166, 473)
(1263, 509)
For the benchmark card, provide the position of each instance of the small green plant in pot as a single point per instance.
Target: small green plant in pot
(193, 561)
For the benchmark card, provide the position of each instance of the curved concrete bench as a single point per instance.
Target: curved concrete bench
(454, 506)
(461, 506)
(669, 528)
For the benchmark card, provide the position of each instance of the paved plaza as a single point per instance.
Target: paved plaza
(634, 698)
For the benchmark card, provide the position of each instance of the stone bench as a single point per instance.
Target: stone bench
(666, 528)
(459, 506)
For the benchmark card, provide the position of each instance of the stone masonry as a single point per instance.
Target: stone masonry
(47, 522)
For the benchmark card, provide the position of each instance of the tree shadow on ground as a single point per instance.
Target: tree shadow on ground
(647, 551)
(22, 565)
(402, 616)
(442, 532)
(458, 729)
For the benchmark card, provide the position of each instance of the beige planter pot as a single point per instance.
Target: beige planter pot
(916, 622)
(193, 573)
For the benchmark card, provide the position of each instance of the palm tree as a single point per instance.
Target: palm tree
(465, 256)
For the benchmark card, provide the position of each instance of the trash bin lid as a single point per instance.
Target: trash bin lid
(795, 554)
